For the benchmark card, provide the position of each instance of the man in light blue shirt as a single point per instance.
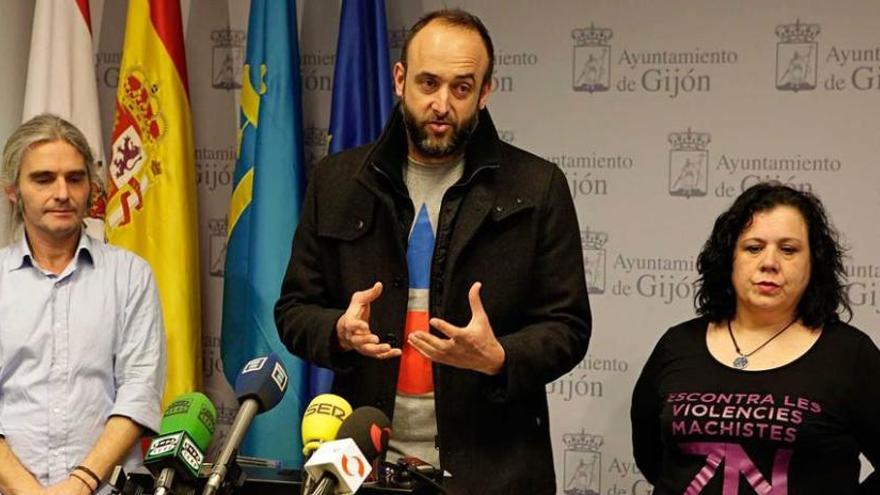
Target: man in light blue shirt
(82, 349)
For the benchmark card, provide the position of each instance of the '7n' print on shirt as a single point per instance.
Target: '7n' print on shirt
(738, 415)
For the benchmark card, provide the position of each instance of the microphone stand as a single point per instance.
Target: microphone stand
(236, 434)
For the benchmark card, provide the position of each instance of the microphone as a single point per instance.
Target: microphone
(322, 420)
(185, 434)
(341, 466)
(320, 424)
(259, 387)
(420, 470)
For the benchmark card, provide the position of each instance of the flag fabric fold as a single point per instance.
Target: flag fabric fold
(268, 186)
(61, 68)
(152, 207)
(363, 92)
(363, 96)
(61, 76)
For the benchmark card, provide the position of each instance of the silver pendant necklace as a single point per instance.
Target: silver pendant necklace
(742, 360)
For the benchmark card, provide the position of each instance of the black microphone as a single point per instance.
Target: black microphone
(342, 465)
(420, 470)
(260, 386)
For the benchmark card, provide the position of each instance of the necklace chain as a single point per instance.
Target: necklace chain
(742, 360)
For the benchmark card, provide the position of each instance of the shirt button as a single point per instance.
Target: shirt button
(56, 410)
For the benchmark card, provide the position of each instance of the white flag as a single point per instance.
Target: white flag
(61, 75)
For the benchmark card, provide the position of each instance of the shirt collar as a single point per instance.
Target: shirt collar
(22, 256)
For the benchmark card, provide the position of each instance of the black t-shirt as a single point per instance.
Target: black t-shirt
(702, 427)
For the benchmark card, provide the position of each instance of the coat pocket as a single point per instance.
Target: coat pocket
(348, 222)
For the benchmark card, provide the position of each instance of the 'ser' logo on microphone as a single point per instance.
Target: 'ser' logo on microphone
(353, 462)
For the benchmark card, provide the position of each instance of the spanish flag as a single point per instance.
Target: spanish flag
(151, 188)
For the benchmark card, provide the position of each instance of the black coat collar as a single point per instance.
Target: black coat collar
(388, 153)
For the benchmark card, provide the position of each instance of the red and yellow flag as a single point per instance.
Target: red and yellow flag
(152, 203)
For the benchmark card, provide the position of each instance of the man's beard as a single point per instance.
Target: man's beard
(436, 148)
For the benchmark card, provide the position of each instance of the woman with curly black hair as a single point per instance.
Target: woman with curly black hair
(768, 391)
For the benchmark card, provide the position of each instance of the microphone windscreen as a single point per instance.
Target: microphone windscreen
(370, 429)
(193, 413)
(322, 420)
(263, 379)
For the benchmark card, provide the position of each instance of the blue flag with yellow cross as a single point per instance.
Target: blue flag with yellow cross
(267, 196)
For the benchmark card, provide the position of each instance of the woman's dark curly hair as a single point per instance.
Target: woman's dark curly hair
(825, 293)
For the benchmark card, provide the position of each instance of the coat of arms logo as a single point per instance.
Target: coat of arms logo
(689, 163)
(591, 66)
(582, 472)
(593, 244)
(228, 58)
(797, 53)
(134, 164)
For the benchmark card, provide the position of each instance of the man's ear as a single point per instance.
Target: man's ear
(399, 79)
(484, 94)
(11, 194)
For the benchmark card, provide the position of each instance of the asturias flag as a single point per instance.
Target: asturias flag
(362, 95)
(152, 204)
(268, 187)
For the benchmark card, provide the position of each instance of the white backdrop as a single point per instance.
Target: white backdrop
(659, 112)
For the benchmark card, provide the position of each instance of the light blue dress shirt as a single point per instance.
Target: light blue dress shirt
(75, 349)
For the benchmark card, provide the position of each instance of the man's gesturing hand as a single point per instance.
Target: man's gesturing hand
(353, 327)
(472, 347)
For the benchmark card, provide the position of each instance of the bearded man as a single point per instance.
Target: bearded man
(438, 272)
